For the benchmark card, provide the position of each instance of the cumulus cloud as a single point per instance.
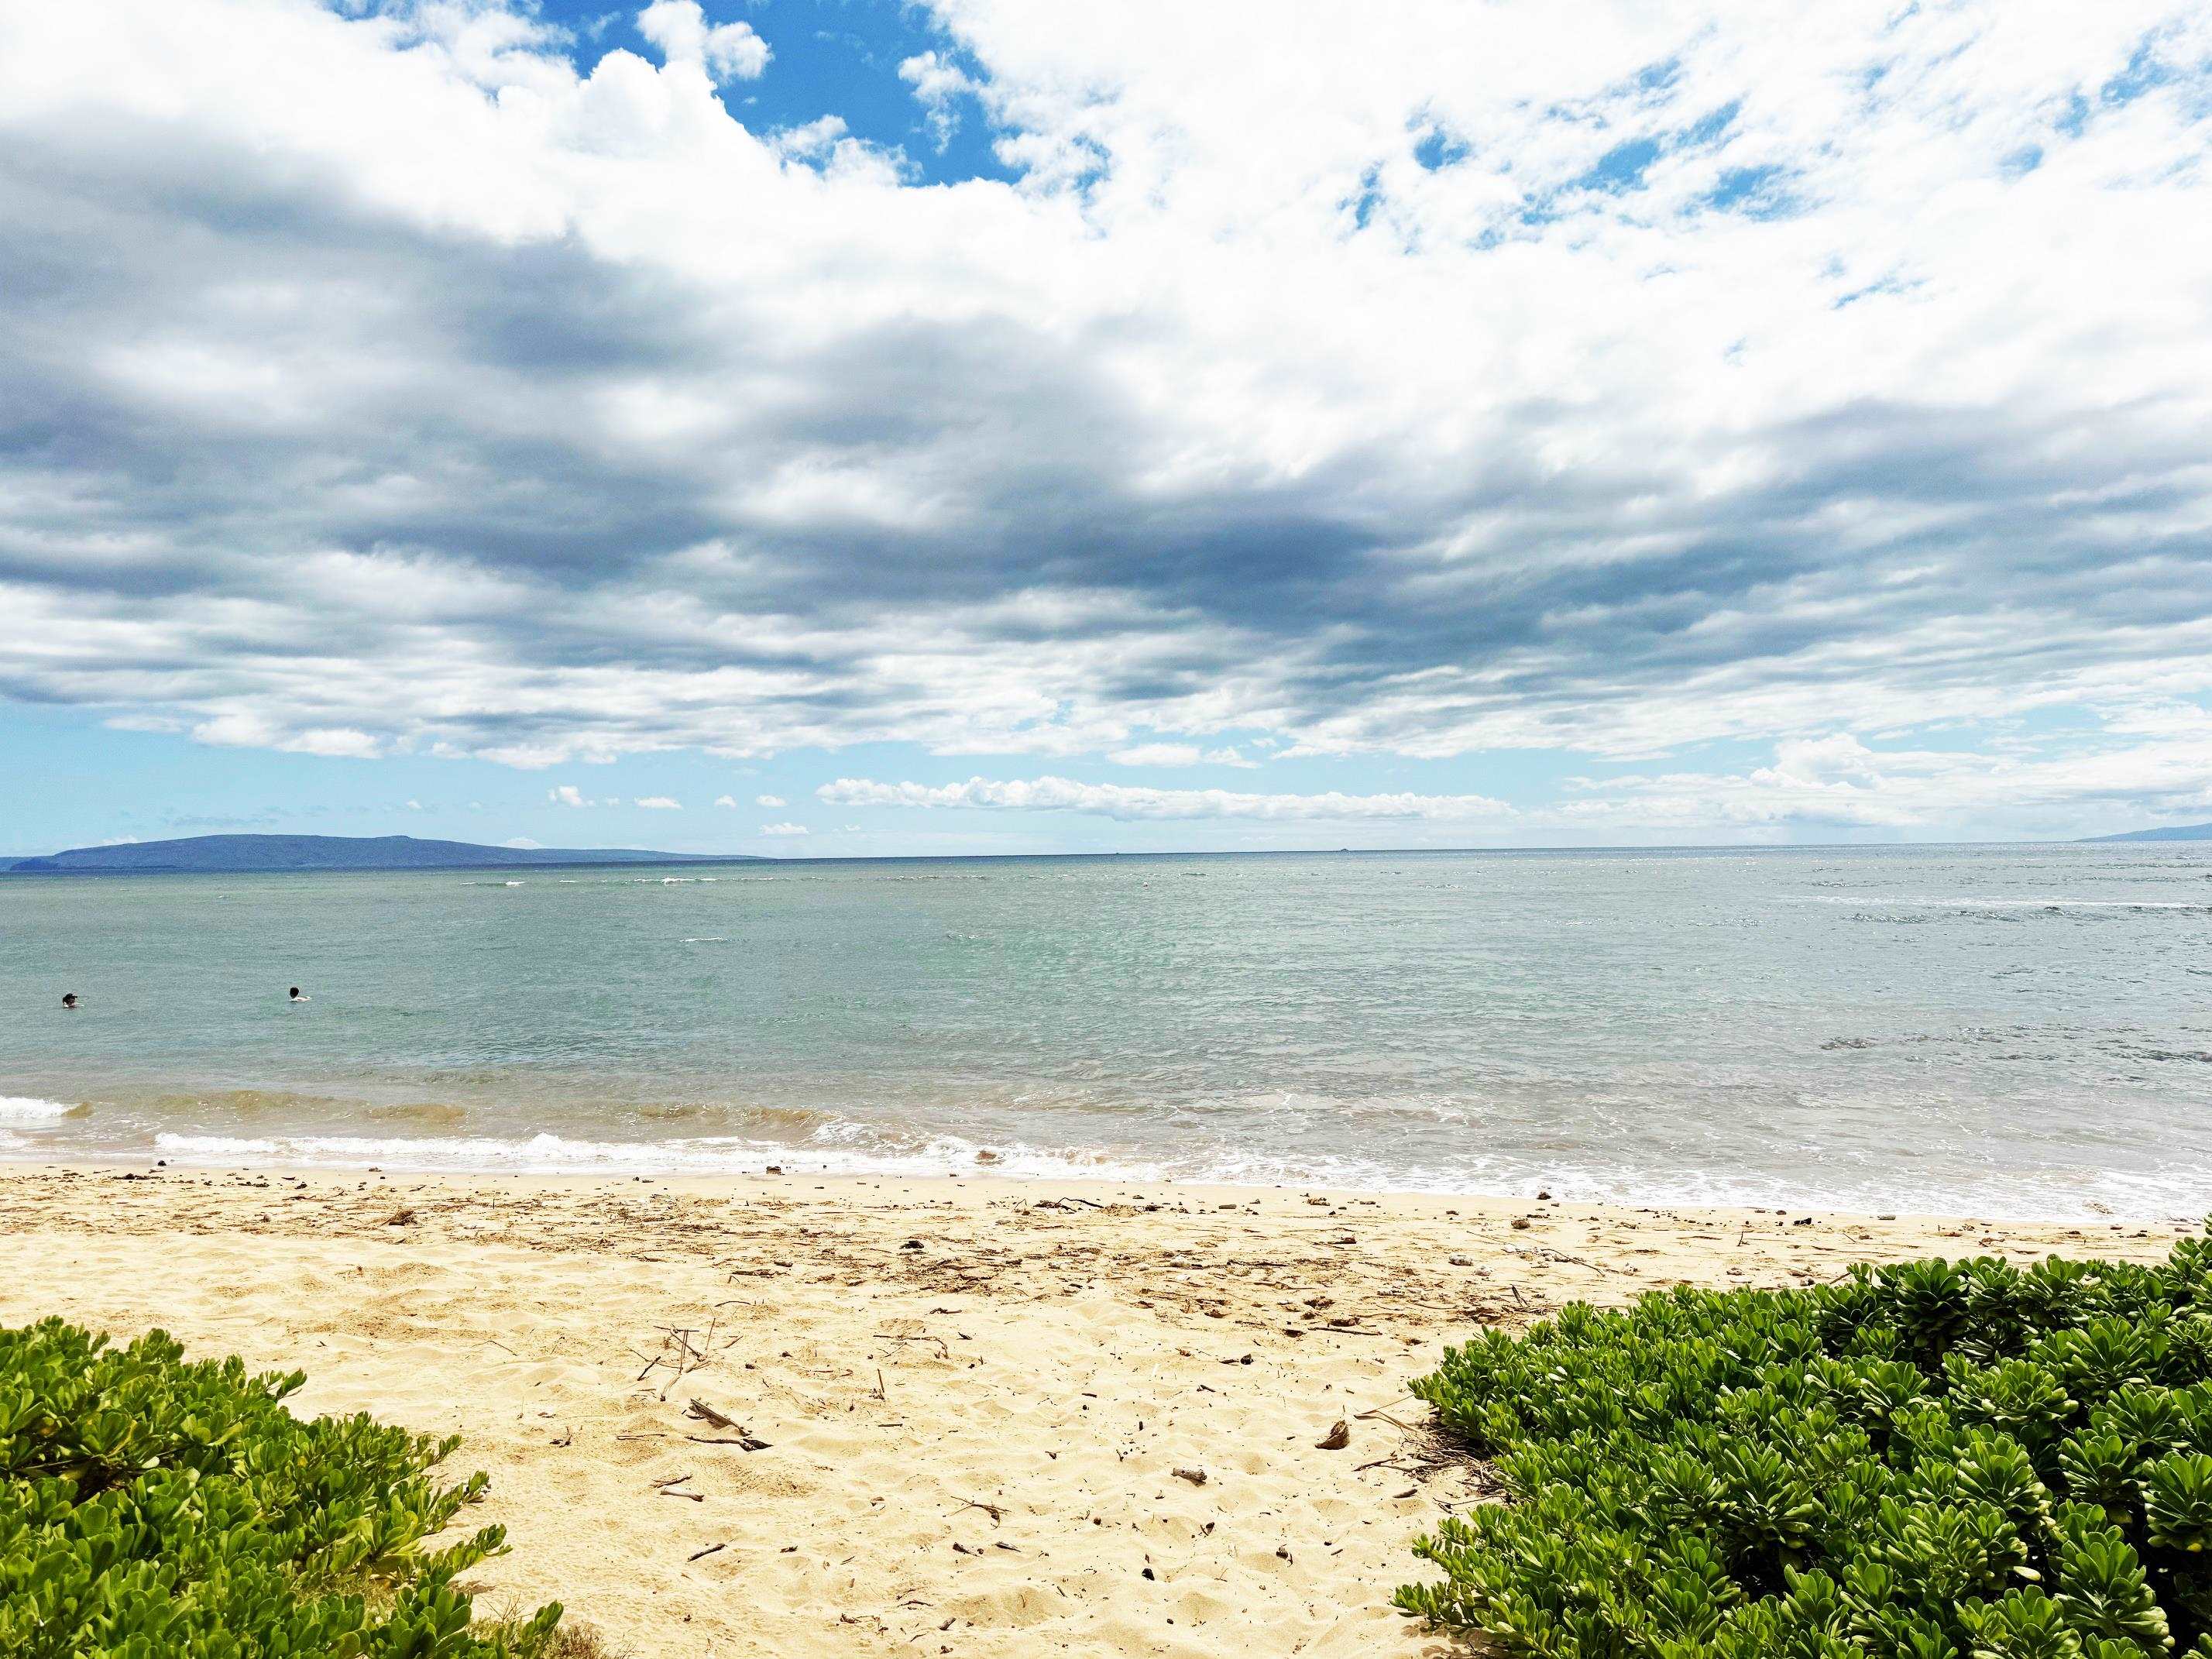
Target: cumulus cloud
(1838, 782)
(1176, 754)
(726, 800)
(1115, 801)
(566, 794)
(938, 86)
(726, 52)
(522, 841)
(1835, 782)
(1531, 377)
(784, 830)
(658, 804)
(770, 800)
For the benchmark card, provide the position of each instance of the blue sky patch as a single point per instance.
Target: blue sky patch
(838, 57)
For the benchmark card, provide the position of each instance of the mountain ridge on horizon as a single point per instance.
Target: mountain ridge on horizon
(2173, 832)
(272, 854)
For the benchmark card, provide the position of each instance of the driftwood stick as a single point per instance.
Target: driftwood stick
(708, 1414)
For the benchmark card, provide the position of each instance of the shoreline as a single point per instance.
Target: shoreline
(916, 1354)
(2092, 1216)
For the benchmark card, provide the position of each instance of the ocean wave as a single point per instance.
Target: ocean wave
(256, 1103)
(430, 1114)
(2071, 1194)
(2008, 909)
(552, 1155)
(29, 1109)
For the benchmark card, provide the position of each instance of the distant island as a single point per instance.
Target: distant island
(2179, 832)
(262, 854)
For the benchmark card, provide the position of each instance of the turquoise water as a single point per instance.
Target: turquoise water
(1999, 1030)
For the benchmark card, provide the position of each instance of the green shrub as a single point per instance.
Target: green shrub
(150, 1508)
(1938, 1460)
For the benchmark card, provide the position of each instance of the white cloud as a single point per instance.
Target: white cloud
(2094, 785)
(567, 794)
(522, 842)
(1814, 788)
(1540, 378)
(784, 830)
(770, 800)
(658, 804)
(1115, 800)
(726, 800)
(726, 52)
(414, 806)
(248, 729)
(1176, 754)
(938, 86)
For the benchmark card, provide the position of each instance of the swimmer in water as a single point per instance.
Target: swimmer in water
(298, 996)
(69, 999)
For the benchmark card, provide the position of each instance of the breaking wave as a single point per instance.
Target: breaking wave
(27, 1108)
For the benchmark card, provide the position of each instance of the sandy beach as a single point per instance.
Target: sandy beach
(979, 1416)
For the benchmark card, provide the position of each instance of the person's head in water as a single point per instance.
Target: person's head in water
(296, 997)
(69, 999)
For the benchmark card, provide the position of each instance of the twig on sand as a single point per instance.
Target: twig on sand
(996, 1514)
(743, 1436)
(709, 1550)
(1382, 1410)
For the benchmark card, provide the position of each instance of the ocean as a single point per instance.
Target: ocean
(1990, 1030)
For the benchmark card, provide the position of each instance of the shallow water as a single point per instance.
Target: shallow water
(2003, 1030)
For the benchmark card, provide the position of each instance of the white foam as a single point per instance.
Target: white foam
(25, 1109)
(551, 1154)
(842, 1146)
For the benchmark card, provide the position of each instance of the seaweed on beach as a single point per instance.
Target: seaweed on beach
(152, 1507)
(1938, 1460)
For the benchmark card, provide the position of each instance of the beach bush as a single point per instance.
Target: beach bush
(151, 1507)
(1940, 1461)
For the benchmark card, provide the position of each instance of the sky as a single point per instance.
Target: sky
(847, 428)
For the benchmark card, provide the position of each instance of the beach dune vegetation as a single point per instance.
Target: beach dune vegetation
(151, 1506)
(1938, 1459)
